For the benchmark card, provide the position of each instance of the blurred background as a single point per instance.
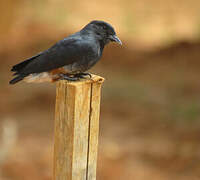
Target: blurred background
(150, 108)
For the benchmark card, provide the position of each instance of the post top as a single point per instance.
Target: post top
(94, 79)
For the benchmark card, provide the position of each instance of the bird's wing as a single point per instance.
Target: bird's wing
(18, 67)
(63, 53)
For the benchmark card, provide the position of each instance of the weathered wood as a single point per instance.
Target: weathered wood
(76, 129)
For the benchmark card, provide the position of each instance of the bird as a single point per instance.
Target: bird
(69, 58)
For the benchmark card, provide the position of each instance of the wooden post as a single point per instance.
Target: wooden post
(76, 129)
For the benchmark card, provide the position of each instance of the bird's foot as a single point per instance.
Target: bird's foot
(82, 75)
(75, 77)
(69, 78)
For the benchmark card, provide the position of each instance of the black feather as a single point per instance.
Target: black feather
(20, 66)
(17, 79)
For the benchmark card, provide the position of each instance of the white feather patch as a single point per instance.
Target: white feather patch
(39, 77)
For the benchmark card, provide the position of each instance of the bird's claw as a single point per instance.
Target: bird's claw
(69, 78)
(82, 75)
(76, 77)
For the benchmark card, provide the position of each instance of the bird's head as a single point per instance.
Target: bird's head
(103, 31)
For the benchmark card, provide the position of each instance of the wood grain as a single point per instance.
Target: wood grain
(76, 129)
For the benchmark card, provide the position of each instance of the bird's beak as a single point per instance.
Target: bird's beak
(115, 38)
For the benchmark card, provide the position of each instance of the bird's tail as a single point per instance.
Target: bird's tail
(18, 69)
(17, 79)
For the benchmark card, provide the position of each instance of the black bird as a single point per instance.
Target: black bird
(69, 58)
